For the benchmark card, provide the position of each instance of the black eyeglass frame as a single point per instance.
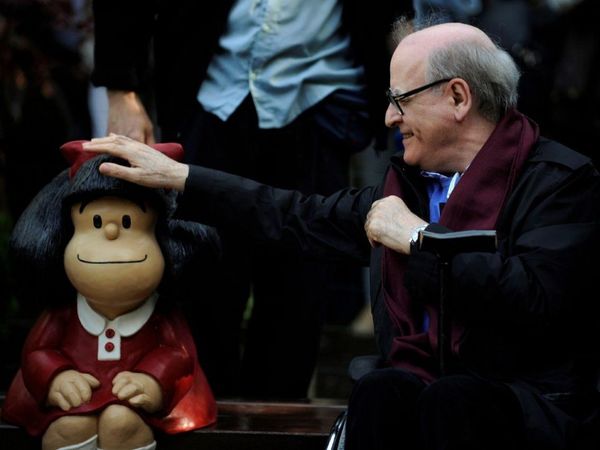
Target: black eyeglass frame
(396, 99)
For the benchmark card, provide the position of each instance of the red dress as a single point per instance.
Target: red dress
(163, 348)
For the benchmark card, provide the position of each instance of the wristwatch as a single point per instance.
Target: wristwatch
(414, 237)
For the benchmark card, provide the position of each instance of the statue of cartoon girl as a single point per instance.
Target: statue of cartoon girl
(115, 361)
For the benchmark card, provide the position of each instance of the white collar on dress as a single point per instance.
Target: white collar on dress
(127, 324)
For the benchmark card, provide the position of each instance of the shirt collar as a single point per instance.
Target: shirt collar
(127, 324)
(434, 175)
(447, 182)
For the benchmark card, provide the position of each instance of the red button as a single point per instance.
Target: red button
(109, 347)
(110, 333)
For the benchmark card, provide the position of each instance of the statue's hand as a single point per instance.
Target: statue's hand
(139, 389)
(71, 388)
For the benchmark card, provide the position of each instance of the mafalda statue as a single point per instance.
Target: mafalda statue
(115, 361)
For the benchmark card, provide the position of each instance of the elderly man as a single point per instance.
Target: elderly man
(521, 372)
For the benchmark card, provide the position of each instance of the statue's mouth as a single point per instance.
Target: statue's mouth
(134, 261)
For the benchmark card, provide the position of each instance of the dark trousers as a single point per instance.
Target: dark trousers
(393, 409)
(275, 356)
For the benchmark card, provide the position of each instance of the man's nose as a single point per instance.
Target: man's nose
(392, 116)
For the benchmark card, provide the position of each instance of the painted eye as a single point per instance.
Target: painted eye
(126, 221)
(97, 221)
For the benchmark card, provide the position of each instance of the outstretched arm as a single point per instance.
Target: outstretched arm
(325, 227)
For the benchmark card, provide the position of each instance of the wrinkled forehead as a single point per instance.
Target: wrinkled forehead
(407, 66)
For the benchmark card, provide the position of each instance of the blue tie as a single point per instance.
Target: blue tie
(437, 189)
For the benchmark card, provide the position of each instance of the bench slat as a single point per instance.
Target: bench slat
(240, 425)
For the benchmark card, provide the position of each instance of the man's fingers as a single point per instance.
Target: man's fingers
(113, 144)
(372, 237)
(131, 174)
(118, 171)
(108, 147)
(148, 167)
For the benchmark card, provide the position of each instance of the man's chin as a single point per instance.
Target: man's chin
(409, 158)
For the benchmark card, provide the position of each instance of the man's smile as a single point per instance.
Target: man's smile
(112, 262)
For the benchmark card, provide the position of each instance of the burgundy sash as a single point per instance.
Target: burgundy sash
(475, 204)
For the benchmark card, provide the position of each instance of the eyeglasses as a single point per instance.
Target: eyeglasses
(396, 99)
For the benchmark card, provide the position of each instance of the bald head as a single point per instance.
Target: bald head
(418, 46)
(457, 50)
(445, 34)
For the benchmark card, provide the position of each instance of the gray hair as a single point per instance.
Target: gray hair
(490, 72)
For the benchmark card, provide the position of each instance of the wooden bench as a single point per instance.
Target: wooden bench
(240, 425)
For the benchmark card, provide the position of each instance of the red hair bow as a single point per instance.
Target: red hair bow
(75, 154)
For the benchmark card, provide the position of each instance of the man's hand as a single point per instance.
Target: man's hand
(391, 223)
(140, 390)
(70, 389)
(127, 116)
(149, 167)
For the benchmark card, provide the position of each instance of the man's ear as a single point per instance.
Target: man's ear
(461, 97)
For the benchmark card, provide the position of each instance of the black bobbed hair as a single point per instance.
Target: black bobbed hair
(41, 233)
(89, 184)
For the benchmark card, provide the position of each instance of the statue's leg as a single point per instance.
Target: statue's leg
(71, 433)
(121, 428)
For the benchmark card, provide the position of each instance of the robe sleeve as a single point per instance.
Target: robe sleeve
(42, 360)
(171, 363)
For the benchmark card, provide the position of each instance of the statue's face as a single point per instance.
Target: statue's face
(113, 258)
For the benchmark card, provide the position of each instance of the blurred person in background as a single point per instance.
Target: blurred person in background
(280, 91)
(44, 81)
